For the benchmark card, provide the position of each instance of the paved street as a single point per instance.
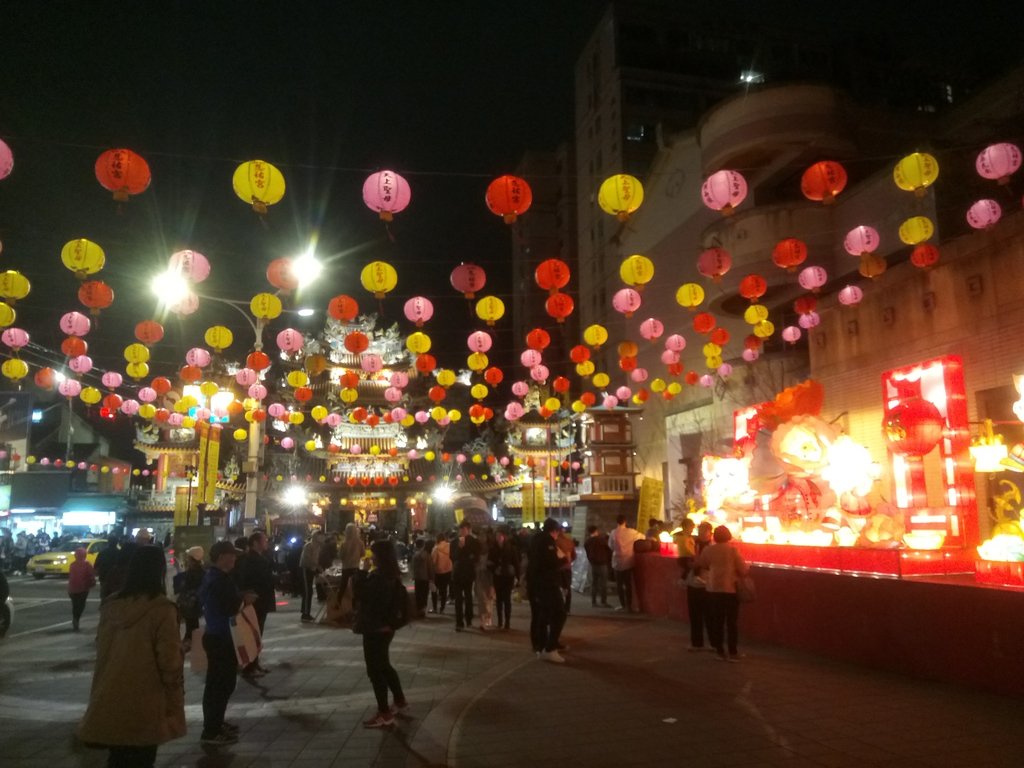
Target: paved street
(630, 695)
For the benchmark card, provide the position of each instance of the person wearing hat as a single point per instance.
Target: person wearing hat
(186, 588)
(221, 600)
(543, 579)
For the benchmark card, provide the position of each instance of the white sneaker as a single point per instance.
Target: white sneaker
(553, 656)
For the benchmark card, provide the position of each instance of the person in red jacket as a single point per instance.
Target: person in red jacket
(81, 578)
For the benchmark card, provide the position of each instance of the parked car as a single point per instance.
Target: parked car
(57, 562)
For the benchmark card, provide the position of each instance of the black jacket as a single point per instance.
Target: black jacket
(597, 549)
(255, 573)
(374, 594)
(503, 560)
(544, 566)
(465, 559)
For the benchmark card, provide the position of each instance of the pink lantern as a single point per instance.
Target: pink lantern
(850, 295)
(479, 341)
(861, 240)
(44, 462)
(246, 377)
(257, 391)
(198, 357)
(610, 401)
(175, 420)
(812, 278)
(186, 305)
(412, 454)
(669, 357)
(707, 380)
(371, 363)
(276, 410)
(627, 301)
(191, 265)
(461, 458)
(333, 419)
(111, 379)
(530, 358)
(397, 414)
(82, 465)
(997, 162)
(422, 417)
(809, 320)
(355, 448)
(651, 329)
(791, 334)
(69, 388)
(399, 379)
(639, 375)
(750, 355)
(444, 421)
(539, 373)
(6, 161)
(467, 279)
(130, 407)
(514, 411)
(418, 310)
(392, 394)
(387, 193)
(725, 370)
(675, 343)
(290, 340)
(15, 338)
(723, 191)
(623, 393)
(714, 262)
(503, 461)
(75, 324)
(520, 388)
(147, 394)
(287, 443)
(203, 414)
(80, 364)
(984, 214)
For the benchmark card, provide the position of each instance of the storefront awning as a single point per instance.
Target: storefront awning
(94, 502)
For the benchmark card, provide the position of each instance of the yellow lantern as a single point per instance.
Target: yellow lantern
(248, 417)
(137, 370)
(408, 421)
(620, 196)
(916, 172)
(711, 349)
(578, 406)
(190, 401)
(319, 413)
(249, 404)
(375, 450)
(209, 388)
(713, 362)
(490, 309)
(674, 388)
(90, 395)
(379, 278)
(585, 368)
(136, 353)
(601, 380)
(14, 285)
(297, 379)
(259, 183)
(83, 257)
(636, 271)
(349, 395)
(916, 230)
(430, 455)
(188, 422)
(446, 377)
(454, 415)
(595, 335)
(181, 406)
(437, 413)
(690, 295)
(764, 329)
(477, 458)
(240, 434)
(755, 313)
(552, 404)
(30, 460)
(7, 315)
(14, 369)
(218, 337)
(477, 361)
(418, 343)
(657, 385)
(147, 410)
(478, 391)
(311, 445)
(265, 306)
(296, 417)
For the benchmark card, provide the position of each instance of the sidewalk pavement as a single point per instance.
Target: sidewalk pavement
(629, 695)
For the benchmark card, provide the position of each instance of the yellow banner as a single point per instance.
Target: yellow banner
(209, 490)
(528, 502)
(651, 493)
(181, 508)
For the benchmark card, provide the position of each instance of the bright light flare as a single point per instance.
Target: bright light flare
(294, 496)
(443, 494)
(306, 269)
(170, 287)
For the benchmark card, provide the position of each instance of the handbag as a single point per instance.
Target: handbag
(245, 635)
(746, 592)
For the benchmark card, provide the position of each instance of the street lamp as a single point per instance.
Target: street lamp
(306, 269)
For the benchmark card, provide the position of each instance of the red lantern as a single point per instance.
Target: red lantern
(675, 369)
(149, 331)
(468, 279)
(924, 256)
(692, 378)
(823, 181)
(392, 481)
(359, 414)
(96, 295)
(356, 342)
(493, 376)
(753, 287)
(579, 354)
(162, 415)
(914, 427)
(303, 394)
(719, 336)
(552, 275)
(627, 364)
(704, 322)
(122, 172)
(437, 393)
(343, 308)
(350, 380)
(789, 254)
(588, 398)
(714, 263)
(161, 385)
(373, 419)
(805, 305)
(476, 411)
(752, 342)
(45, 378)
(425, 363)
(351, 482)
(281, 275)
(258, 361)
(560, 384)
(538, 339)
(259, 415)
(74, 346)
(559, 306)
(508, 197)
(190, 374)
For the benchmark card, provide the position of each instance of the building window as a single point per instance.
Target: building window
(639, 132)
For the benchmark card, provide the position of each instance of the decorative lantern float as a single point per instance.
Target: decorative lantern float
(997, 162)
(258, 183)
(914, 427)
(724, 191)
(823, 181)
(468, 279)
(508, 197)
(123, 172)
(916, 172)
(387, 193)
(620, 196)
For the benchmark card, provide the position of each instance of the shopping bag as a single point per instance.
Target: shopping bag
(245, 634)
(197, 654)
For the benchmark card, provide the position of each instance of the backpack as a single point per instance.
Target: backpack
(398, 615)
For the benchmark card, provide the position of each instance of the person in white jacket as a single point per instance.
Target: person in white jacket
(621, 541)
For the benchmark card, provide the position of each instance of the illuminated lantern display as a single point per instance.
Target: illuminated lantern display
(6, 161)
(552, 275)
(723, 191)
(714, 263)
(290, 340)
(559, 306)
(812, 278)
(15, 369)
(265, 306)
(136, 353)
(468, 279)
(809, 320)
(387, 193)
(579, 354)
(871, 265)
(791, 334)
(720, 336)
(198, 357)
(73, 346)
(15, 286)
(425, 363)
(704, 322)
(191, 265)
(418, 343)
(123, 172)
(479, 341)
(493, 376)
(258, 183)
(997, 162)
(75, 324)
(45, 378)
(805, 304)
(789, 254)
(186, 305)
(753, 287)
(924, 256)
(190, 374)
(916, 230)
(418, 310)
(652, 329)
(914, 427)
(379, 278)
(823, 181)
(861, 240)
(258, 361)
(628, 349)
(984, 214)
(636, 271)
(620, 196)
(764, 329)
(69, 388)
(595, 335)
(675, 343)
(281, 275)
(508, 197)
(218, 337)
(149, 331)
(626, 301)
(690, 296)
(345, 308)
(915, 173)
(83, 257)
(530, 357)
(162, 385)
(539, 339)
(490, 309)
(7, 315)
(15, 338)
(755, 313)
